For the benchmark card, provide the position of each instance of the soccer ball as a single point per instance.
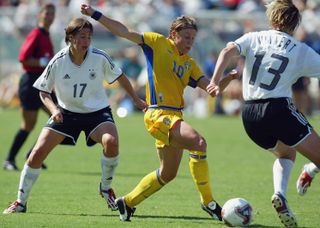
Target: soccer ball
(237, 212)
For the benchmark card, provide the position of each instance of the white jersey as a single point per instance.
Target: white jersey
(79, 88)
(274, 61)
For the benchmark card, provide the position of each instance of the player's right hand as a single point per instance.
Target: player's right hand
(86, 10)
(57, 116)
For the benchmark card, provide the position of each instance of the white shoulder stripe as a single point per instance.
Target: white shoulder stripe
(51, 63)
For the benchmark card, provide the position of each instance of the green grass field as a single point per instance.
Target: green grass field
(66, 195)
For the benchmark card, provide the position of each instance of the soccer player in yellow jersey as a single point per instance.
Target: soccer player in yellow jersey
(170, 70)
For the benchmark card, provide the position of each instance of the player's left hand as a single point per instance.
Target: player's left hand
(86, 10)
(141, 104)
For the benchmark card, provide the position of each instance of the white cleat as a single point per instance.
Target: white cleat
(110, 197)
(284, 213)
(15, 207)
(303, 182)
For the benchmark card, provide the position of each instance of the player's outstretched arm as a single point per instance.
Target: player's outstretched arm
(115, 27)
(125, 83)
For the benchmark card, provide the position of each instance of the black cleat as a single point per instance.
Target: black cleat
(125, 211)
(213, 209)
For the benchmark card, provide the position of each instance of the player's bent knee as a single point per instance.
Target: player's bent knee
(166, 173)
(167, 177)
(28, 127)
(110, 143)
(202, 144)
(111, 150)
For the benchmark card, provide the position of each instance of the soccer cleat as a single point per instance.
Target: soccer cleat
(303, 182)
(10, 166)
(281, 205)
(15, 207)
(110, 197)
(213, 209)
(124, 211)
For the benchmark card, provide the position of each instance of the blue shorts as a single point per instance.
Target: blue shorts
(74, 123)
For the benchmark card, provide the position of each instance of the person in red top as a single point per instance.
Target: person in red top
(35, 53)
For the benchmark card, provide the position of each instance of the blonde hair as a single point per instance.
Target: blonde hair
(75, 26)
(183, 22)
(283, 15)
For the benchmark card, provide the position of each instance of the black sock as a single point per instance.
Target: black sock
(17, 143)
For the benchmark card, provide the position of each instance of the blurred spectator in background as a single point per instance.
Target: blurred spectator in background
(210, 4)
(300, 92)
(74, 5)
(250, 6)
(232, 96)
(170, 8)
(210, 63)
(215, 105)
(308, 32)
(132, 67)
(301, 97)
(34, 55)
(5, 3)
(231, 4)
(230, 101)
(24, 18)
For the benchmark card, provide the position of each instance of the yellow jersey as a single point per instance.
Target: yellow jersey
(168, 72)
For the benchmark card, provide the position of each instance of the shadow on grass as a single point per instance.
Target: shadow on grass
(191, 218)
(195, 218)
(258, 226)
(172, 217)
(118, 174)
(135, 216)
(73, 214)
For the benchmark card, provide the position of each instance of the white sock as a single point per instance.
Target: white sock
(281, 172)
(312, 169)
(108, 166)
(27, 179)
